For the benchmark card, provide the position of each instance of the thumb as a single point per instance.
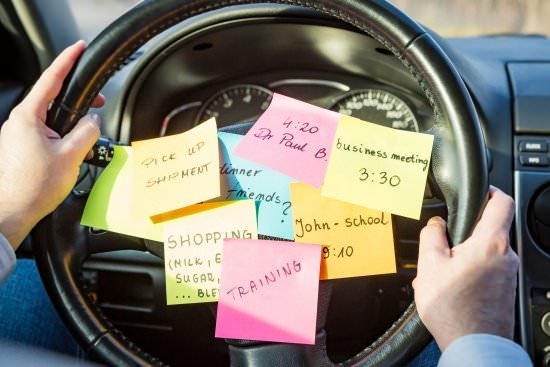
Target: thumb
(78, 142)
(433, 242)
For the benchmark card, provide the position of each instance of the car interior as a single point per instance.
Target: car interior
(226, 62)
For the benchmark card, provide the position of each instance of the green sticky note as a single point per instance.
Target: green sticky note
(109, 206)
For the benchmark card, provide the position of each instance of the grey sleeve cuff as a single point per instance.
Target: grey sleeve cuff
(484, 350)
(7, 258)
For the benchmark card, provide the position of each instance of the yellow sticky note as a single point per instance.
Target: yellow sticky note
(356, 241)
(378, 167)
(193, 248)
(110, 201)
(176, 171)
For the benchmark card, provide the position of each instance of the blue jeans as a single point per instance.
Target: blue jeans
(429, 357)
(27, 315)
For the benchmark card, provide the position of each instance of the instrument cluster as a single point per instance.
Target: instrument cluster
(244, 102)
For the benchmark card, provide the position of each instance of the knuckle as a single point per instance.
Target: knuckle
(509, 202)
(16, 113)
(513, 259)
(423, 233)
(426, 232)
(499, 243)
(502, 239)
(54, 74)
(17, 116)
(506, 200)
(90, 126)
(94, 129)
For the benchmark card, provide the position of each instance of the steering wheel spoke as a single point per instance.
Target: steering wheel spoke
(79, 242)
(105, 241)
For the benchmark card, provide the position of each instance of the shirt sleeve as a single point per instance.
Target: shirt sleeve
(484, 350)
(7, 258)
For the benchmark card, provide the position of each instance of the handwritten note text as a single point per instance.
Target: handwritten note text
(193, 248)
(176, 171)
(378, 167)
(269, 291)
(292, 137)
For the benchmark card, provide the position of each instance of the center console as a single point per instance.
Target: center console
(531, 89)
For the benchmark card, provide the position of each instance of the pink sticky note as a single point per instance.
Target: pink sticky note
(269, 291)
(292, 137)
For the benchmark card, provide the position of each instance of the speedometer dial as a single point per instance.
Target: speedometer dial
(377, 106)
(239, 103)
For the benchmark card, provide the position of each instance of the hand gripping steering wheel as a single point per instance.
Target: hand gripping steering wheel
(459, 168)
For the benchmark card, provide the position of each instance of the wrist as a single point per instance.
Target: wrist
(15, 226)
(447, 336)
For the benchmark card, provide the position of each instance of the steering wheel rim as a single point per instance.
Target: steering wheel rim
(459, 167)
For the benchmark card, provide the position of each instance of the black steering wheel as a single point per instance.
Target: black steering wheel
(459, 170)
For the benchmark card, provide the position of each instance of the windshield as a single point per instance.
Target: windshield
(454, 18)
(457, 18)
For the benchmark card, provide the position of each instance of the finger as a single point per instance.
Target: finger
(99, 101)
(497, 215)
(433, 241)
(49, 84)
(80, 140)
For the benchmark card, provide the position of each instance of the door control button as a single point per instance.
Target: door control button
(534, 160)
(533, 146)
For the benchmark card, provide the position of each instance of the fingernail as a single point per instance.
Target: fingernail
(94, 117)
(90, 155)
(436, 220)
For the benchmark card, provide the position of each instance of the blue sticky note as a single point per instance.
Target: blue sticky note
(243, 179)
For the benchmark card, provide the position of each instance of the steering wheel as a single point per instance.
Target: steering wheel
(459, 170)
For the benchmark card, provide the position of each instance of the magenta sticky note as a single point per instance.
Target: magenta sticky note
(268, 291)
(292, 137)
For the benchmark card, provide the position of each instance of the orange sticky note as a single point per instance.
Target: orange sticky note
(356, 241)
(176, 171)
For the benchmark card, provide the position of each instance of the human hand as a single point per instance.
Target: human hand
(470, 288)
(38, 169)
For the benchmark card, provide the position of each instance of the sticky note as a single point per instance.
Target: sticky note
(292, 137)
(269, 291)
(378, 167)
(109, 205)
(244, 179)
(176, 171)
(356, 240)
(193, 248)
